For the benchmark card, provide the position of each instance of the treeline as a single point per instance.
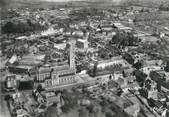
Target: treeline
(82, 13)
(164, 7)
(124, 39)
(22, 26)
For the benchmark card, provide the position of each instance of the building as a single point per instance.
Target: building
(52, 98)
(82, 44)
(11, 82)
(111, 62)
(12, 60)
(78, 33)
(122, 27)
(26, 64)
(60, 77)
(153, 94)
(72, 54)
(57, 75)
(60, 46)
(43, 73)
(134, 108)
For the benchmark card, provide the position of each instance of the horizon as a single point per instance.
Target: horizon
(5, 3)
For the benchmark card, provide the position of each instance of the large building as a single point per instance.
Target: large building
(114, 61)
(83, 43)
(57, 75)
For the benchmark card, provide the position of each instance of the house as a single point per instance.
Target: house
(21, 38)
(13, 59)
(60, 46)
(134, 108)
(107, 28)
(22, 113)
(148, 69)
(78, 33)
(81, 43)
(48, 32)
(151, 39)
(121, 26)
(153, 94)
(41, 108)
(11, 82)
(52, 98)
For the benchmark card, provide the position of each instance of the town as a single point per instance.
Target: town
(84, 59)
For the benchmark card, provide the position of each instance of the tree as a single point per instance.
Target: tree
(7, 97)
(83, 112)
(124, 39)
(151, 102)
(9, 27)
(39, 88)
(70, 102)
(159, 86)
(128, 58)
(167, 67)
(95, 69)
(110, 77)
(93, 72)
(143, 92)
(140, 77)
(24, 26)
(91, 108)
(124, 74)
(157, 78)
(104, 104)
(108, 114)
(52, 112)
(119, 91)
(148, 84)
(138, 65)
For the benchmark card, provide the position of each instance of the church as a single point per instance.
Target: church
(58, 75)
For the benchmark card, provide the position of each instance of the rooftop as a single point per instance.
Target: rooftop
(116, 58)
(21, 38)
(31, 60)
(82, 40)
(47, 69)
(149, 38)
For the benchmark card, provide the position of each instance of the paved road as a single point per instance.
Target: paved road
(4, 112)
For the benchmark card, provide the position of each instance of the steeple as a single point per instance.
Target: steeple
(72, 54)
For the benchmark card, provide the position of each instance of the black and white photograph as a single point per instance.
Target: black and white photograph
(84, 58)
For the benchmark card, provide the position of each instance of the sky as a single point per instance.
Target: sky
(6, 2)
(57, 0)
(79, 0)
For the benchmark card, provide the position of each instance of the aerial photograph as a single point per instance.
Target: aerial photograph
(84, 58)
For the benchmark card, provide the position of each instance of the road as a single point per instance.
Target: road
(145, 105)
(4, 112)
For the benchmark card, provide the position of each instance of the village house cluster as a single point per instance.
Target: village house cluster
(114, 58)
